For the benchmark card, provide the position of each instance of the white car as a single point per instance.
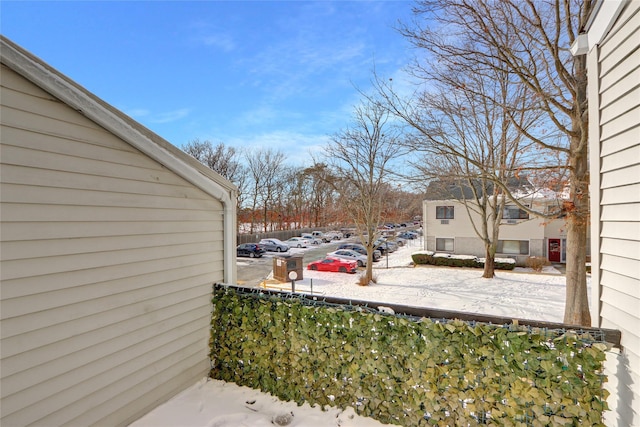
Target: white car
(311, 239)
(333, 235)
(349, 254)
(297, 242)
(320, 235)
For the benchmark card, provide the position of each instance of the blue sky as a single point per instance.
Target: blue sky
(278, 74)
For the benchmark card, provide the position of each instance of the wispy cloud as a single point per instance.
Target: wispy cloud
(299, 148)
(312, 58)
(221, 41)
(209, 35)
(137, 112)
(169, 116)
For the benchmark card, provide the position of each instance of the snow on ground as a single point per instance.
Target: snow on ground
(519, 294)
(213, 403)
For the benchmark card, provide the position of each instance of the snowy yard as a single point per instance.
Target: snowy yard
(519, 294)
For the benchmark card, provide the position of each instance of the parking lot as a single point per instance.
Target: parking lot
(252, 271)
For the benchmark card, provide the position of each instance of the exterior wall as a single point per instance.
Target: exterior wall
(107, 262)
(614, 115)
(556, 229)
(467, 242)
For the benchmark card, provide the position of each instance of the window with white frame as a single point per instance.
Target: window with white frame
(444, 244)
(514, 212)
(444, 212)
(513, 247)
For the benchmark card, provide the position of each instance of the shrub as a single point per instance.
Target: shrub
(451, 260)
(504, 264)
(441, 259)
(537, 263)
(423, 257)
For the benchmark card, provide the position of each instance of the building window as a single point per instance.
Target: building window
(513, 247)
(445, 245)
(514, 212)
(444, 212)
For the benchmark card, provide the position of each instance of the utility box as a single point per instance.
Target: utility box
(283, 265)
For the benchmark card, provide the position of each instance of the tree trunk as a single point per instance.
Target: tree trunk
(369, 271)
(489, 261)
(576, 311)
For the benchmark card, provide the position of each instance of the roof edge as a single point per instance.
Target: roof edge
(112, 119)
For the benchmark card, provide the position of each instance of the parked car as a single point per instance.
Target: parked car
(311, 239)
(387, 233)
(383, 246)
(408, 235)
(348, 232)
(297, 242)
(350, 255)
(334, 264)
(387, 244)
(320, 235)
(252, 250)
(361, 250)
(399, 241)
(333, 235)
(274, 245)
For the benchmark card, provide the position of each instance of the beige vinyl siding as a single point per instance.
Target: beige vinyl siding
(614, 72)
(107, 264)
(619, 57)
(534, 230)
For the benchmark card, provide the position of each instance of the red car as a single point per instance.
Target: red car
(334, 264)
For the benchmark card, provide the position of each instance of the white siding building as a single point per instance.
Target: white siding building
(448, 227)
(612, 46)
(111, 239)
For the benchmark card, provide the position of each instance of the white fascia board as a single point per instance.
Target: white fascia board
(603, 17)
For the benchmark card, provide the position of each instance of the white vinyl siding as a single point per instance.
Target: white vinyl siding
(108, 259)
(614, 96)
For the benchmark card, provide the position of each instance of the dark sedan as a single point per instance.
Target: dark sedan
(251, 250)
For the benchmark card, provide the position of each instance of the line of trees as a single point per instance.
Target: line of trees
(274, 195)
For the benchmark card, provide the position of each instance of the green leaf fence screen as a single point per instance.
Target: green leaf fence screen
(406, 371)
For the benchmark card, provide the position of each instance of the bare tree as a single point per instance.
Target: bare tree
(321, 194)
(222, 159)
(469, 142)
(360, 156)
(530, 40)
(265, 166)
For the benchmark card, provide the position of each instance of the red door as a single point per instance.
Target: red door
(554, 250)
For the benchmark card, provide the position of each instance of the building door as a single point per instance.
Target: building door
(555, 250)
